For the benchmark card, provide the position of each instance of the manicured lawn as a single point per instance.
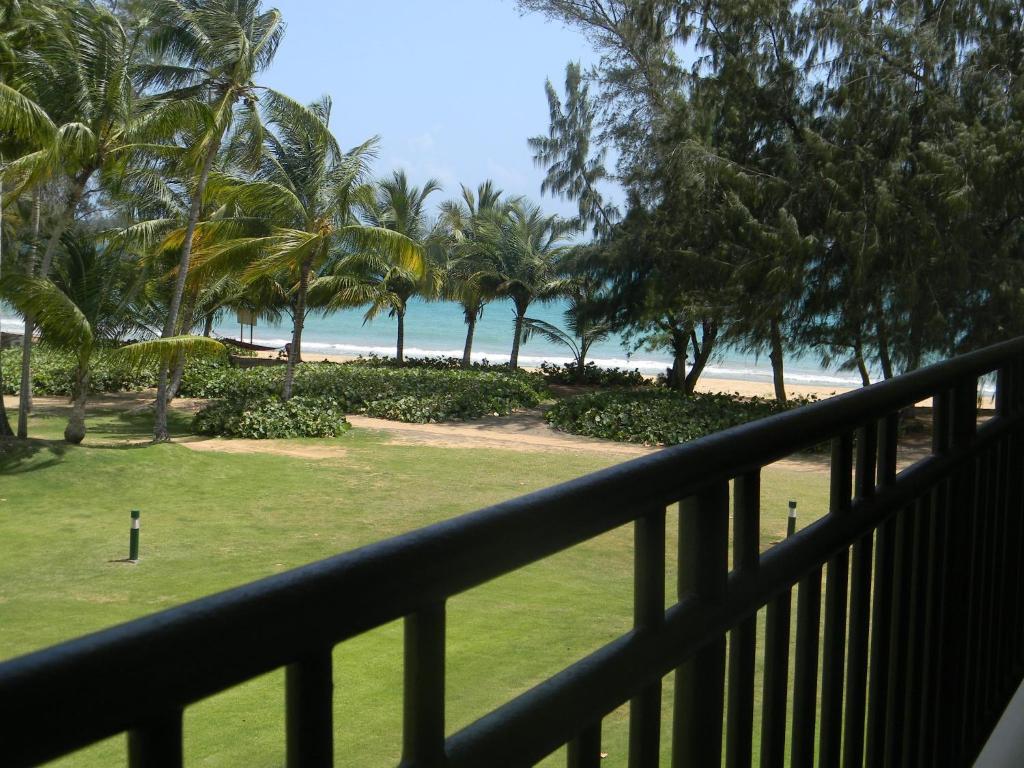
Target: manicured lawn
(216, 520)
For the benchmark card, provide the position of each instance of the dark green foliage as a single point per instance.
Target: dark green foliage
(271, 417)
(418, 395)
(592, 375)
(53, 373)
(658, 416)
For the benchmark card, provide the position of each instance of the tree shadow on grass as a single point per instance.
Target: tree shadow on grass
(19, 456)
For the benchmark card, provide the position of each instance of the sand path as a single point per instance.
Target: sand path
(524, 430)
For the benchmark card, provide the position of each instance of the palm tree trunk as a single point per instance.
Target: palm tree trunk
(295, 350)
(25, 383)
(467, 352)
(400, 346)
(776, 356)
(160, 432)
(5, 424)
(514, 360)
(67, 215)
(208, 326)
(74, 433)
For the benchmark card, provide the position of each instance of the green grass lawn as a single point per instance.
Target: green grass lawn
(215, 520)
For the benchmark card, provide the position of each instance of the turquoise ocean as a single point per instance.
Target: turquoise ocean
(438, 328)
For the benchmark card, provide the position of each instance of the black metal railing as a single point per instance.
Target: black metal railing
(916, 635)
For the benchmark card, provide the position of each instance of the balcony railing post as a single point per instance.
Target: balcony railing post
(699, 692)
(881, 609)
(834, 644)
(585, 750)
(648, 615)
(423, 701)
(309, 688)
(951, 724)
(860, 601)
(157, 744)
(742, 642)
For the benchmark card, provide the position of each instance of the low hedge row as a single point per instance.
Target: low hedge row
(593, 376)
(53, 373)
(658, 416)
(247, 403)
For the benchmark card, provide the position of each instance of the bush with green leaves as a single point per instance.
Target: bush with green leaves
(270, 417)
(658, 416)
(419, 395)
(53, 373)
(592, 375)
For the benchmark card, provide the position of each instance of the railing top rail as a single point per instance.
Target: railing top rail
(324, 603)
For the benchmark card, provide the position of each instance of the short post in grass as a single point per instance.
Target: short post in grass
(791, 522)
(133, 538)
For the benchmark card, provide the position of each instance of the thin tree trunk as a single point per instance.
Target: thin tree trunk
(295, 349)
(581, 362)
(514, 359)
(776, 356)
(400, 345)
(67, 215)
(208, 326)
(467, 352)
(5, 424)
(884, 358)
(702, 353)
(160, 431)
(25, 383)
(74, 433)
(862, 368)
(178, 367)
(680, 357)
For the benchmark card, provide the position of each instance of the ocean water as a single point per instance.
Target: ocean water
(438, 328)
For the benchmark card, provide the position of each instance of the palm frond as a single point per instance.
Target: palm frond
(163, 351)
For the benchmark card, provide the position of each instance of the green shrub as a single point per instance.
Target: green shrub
(53, 373)
(658, 417)
(270, 417)
(592, 375)
(418, 395)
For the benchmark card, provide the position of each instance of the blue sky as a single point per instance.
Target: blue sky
(453, 87)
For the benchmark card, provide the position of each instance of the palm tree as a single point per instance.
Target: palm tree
(79, 71)
(387, 285)
(582, 288)
(309, 191)
(526, 247)
(466, 269)
(87, 301)
(209, 53)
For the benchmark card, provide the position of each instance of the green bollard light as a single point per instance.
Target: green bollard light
(791, 522)
(133, 538)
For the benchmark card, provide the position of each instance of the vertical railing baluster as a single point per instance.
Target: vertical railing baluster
(917, 529)
(309, 705)
(805, 673)
(648, 615)
(834, 645)
(423, 699)
(775, 686)
(899, 630)
(961, 512)
(158, 743)
(746, 554)
(860, 602)
(584, 751)
(699, 691)
(881, 609)
(932, 687)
